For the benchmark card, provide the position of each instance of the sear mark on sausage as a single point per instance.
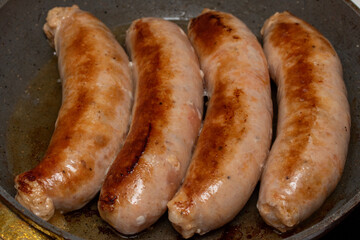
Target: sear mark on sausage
(67, 125)
(22, 181)
(300, 86)
(210, 28)
(107, 201)
(151, 108)
(221, 124)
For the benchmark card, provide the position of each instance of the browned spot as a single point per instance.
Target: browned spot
(116, 94)
(185, 206)
(101, 140)
(209, 30)
(295, 44)
(107, 201)
(152, 106)
(83, 163)
(224, 123)
(22, 180)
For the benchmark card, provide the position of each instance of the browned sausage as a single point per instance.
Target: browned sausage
(166, 122)
(93, 119)
(308, 156)
(236, 135)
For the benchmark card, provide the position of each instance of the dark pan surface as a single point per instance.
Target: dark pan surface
(30, 96)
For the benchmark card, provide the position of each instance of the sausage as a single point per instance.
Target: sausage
(308, 155)
(93, 119)
(237, 130)
(165, 124)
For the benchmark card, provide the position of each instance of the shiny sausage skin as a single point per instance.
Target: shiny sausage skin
(93, 119)
(236, 134)
(165, 124)
(308, 155)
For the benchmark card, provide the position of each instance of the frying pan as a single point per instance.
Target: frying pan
(30, 95)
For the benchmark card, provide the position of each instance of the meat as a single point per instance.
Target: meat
(308, 155)
(165, 124)
(236, 134)
(93, 119)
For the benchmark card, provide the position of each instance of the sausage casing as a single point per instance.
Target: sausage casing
(93, 119)
(165, 123)
(236, 135)
(308, 155)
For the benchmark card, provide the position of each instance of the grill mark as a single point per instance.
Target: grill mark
(208, 31)
(153, 102)
(295, 46)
